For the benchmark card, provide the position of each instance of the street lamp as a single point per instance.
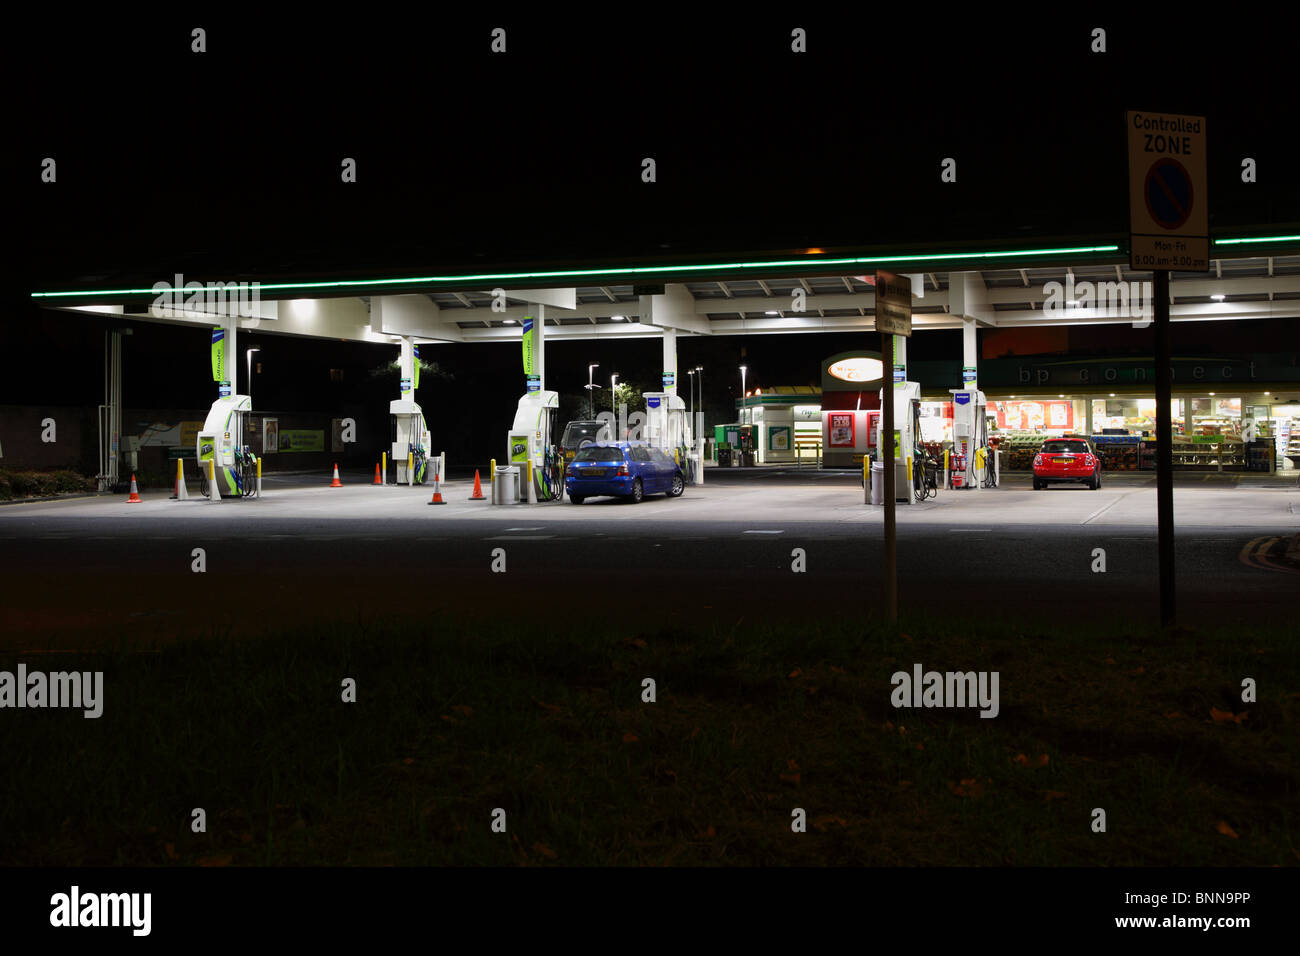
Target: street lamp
(248, 357)
(613, 397)
(591, 390)
(699, 369)
(690, 374)
(743, 369)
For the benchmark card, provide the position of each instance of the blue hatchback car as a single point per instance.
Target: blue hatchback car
(623, 470)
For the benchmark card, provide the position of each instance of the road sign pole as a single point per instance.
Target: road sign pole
(1164, 451)
(886, 441)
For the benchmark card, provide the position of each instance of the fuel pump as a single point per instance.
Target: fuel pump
(909, 459)
(971, 464)
(530, 446)
(668, 428)
(221, 441)
(410, 441)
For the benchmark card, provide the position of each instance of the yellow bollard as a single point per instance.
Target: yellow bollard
(410, 469)
(383, 475)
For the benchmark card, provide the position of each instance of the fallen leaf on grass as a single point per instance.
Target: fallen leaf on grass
(795, 673)
(1022, 760)
(793, 776)
(463, 709)
(408, 760)
(821, 823)
(1050, 795)
(1173, 715)
(223, 859)
(1226, 830)
(969, 787)
(837, 670)
(170, 850)
(630, 738)
(553, 708)
(544, 850)
(1224, 716)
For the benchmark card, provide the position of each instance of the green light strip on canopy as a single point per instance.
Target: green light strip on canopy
(661, 270)
(1237, 242)
(636, 270)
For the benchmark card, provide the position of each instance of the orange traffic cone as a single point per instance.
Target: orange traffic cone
(378, 480)
(336, 483)
(478, 489)
(437, 494)
(134, 497)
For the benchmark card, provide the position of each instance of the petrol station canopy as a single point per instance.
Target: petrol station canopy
(1249, 278)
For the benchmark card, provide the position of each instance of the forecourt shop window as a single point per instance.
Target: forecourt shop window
(1211, 431)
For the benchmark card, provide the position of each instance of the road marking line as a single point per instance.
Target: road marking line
(762, 532)
(1102, 510)
(519, 537)
(969, 530)
(524, 529)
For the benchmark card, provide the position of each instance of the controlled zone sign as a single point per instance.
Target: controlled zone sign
(1168, 212)
(893, 303)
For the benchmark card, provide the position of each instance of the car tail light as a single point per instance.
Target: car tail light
(568, 472)
(1038, 460)
(1087, 460)
(623, 470)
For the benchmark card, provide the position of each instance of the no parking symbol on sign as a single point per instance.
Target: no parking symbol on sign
(1168, 212)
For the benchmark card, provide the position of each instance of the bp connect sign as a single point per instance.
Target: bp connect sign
(1168, 212)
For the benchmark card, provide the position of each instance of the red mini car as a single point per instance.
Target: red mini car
(1066, 459)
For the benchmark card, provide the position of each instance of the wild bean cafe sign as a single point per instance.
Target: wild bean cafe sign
(1133, 371)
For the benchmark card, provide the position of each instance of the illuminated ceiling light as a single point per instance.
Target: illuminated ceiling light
(508, 321)
(1112, 394)
(616, 318)
(1211, 394)
(303, 308)
(1268, 393)
(770, 312)
(813, 251)
(1218, 297)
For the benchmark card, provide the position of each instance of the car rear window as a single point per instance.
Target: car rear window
(575, 433)
(1076, 447)
(595, 453)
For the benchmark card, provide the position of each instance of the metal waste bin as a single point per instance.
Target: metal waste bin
(505, 489)
(877, 482)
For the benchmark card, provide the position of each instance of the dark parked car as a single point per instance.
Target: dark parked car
(622, 469)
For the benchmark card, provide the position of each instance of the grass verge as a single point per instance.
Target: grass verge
(454, 719)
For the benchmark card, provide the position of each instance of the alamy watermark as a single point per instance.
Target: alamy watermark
(946, 689)
(1111, 300)
(37, 689)
(217, 298)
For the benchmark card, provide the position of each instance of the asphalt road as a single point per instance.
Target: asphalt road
(82, 573)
